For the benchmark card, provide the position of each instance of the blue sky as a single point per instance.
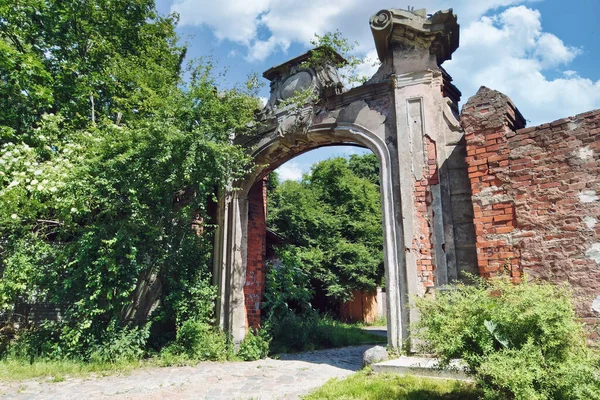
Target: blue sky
(545, 54)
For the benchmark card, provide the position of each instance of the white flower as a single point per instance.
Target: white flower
(34, 182)
(2, 162)
(14, 216)
(13, 183)
(38, 172)
(27, 163)
(8, 154)
(45, 181)
(73, 210)
(40, 187)
(53, 189)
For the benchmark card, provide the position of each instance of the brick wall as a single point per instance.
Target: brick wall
(535, 196)
(256, 256)
(422, 244)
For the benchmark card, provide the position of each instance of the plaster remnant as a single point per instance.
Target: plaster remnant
(596, 304)
(489, 196)
(585, 153)
(572, 126)
(594, 253)
(588, 196)
(590, 222)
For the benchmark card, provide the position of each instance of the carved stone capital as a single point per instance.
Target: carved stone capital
(437, 33)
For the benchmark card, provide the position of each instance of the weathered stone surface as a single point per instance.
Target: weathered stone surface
(421, 366)
(410, 29)
(374, 355)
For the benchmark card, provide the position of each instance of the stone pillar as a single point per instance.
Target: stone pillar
(412, 47)
(229, 271)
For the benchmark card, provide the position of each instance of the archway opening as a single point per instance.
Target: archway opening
(315, 258)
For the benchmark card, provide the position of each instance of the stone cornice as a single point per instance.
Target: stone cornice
(413, 29)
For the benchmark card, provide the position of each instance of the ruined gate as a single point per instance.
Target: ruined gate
(407, 115)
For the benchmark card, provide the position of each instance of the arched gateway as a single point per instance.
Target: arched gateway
(407, 115)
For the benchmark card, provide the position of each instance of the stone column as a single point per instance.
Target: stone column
(411, 47)
(229, 273)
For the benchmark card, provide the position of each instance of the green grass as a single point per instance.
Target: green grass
(380, 321)
(367, 386)
(296, 335)
(57, 371)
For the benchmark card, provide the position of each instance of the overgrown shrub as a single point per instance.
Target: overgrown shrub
(121, 344)
(290, 318)
(287, 288)
(255, 345)
(35, 343)
(520, 341)
(53, 341)
(198, 341)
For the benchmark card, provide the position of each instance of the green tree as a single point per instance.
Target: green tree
(107, 158)
(333, 219)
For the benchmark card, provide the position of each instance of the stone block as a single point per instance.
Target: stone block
(374, 355)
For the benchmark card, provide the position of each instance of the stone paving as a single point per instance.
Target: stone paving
(287, 378)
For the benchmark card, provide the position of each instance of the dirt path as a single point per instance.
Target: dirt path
(286, 378)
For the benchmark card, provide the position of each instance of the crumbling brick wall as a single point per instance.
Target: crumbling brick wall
(257, 250)
(423, 244)
(535, 196)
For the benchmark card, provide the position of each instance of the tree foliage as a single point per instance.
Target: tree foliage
(107, 157)
(332, 217)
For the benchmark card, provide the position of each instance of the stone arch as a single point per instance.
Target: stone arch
(406, 114)
(350, 134)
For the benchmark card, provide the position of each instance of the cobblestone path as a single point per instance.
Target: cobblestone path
(287, 378)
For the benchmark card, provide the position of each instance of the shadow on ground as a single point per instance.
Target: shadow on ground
(349, 358)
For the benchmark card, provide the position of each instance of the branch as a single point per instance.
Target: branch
(93, 110)
(49, 222)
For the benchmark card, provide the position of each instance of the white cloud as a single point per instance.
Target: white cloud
(511, 53)
(288, 21)
(261, 49)
(289, 171)
(231, 19)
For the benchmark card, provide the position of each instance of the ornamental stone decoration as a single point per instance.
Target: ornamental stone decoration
(451, 186)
